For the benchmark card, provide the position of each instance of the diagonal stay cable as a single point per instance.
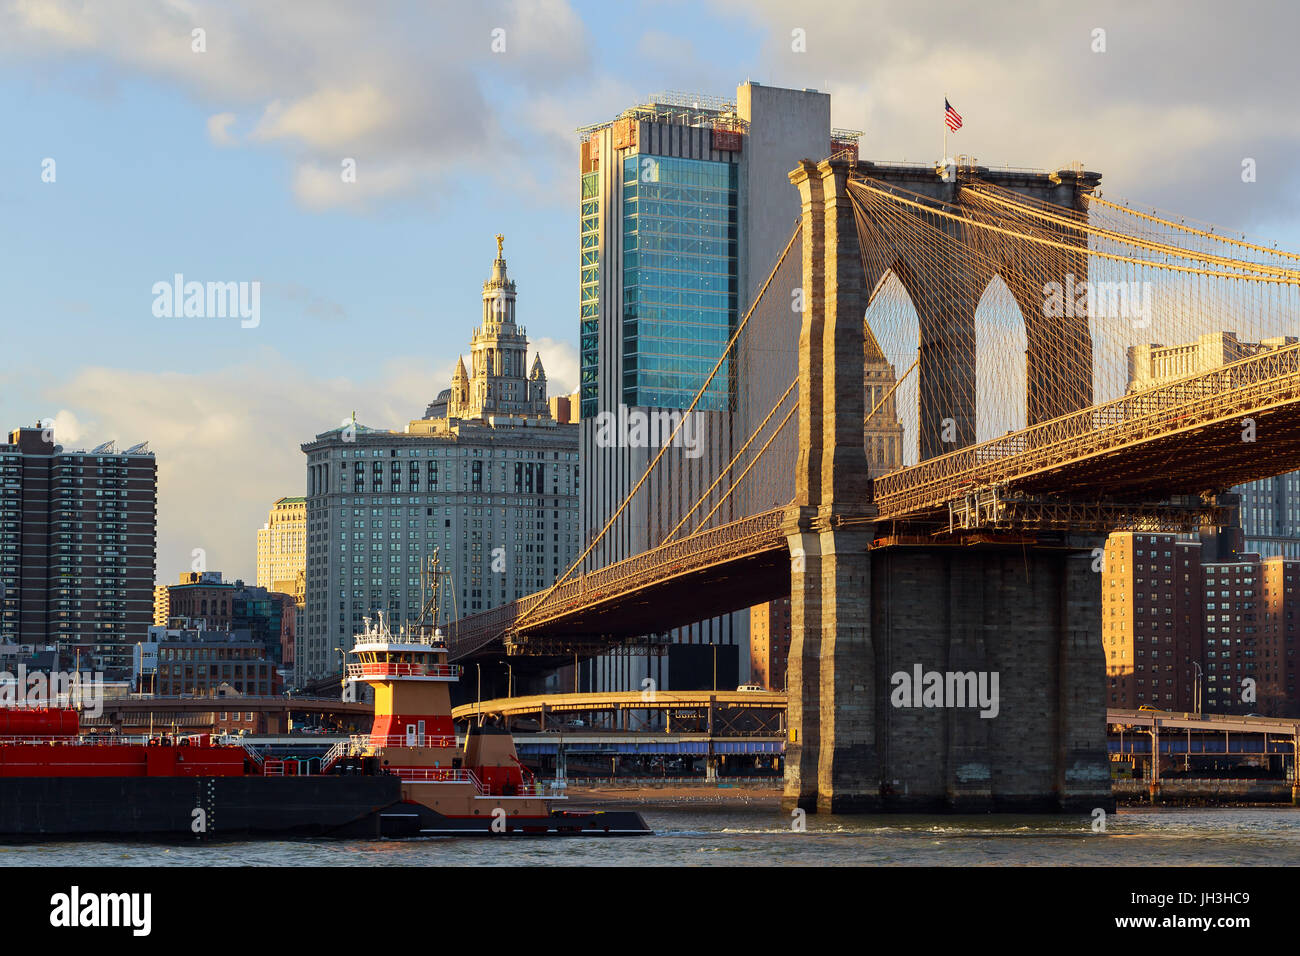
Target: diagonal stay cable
(736, 484)
(731, 464)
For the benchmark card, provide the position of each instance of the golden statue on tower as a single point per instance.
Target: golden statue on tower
(500, 241)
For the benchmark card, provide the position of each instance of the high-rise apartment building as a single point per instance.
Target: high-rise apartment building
(1249, 661)
(1151, 619)
(487, 479)
(282, 545)
(77, 547)
(1278, 608)
(1180, 634)
(685, 204)
(1232, 631)
(1269, 511)
(769, 643)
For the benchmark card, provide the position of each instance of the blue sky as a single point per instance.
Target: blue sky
(142, 192)
(223, 165)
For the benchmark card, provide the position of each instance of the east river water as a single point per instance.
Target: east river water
(763, 836)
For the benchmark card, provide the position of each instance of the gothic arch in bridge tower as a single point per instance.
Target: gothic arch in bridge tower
(1000, 400)
(945, 342)
(947, 278)
(1057, 350)
(1001, 353)
(892, 326)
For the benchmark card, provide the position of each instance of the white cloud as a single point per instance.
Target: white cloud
(329, 119)
(560, 359)
(539, 33)
(227, 440)
(325, 79)
(320, 186)
(219, 129)
(55, 21)
(1166, 113)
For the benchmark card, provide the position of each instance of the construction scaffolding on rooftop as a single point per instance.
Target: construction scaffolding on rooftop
(681, 109)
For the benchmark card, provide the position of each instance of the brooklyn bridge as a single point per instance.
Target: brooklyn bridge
(1011, 308)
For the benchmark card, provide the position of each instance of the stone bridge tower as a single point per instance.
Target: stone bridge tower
(1021, 619)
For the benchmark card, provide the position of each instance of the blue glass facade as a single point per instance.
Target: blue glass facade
(680, 279)
(589, 292)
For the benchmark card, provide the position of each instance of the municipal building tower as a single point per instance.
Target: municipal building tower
(499, 381)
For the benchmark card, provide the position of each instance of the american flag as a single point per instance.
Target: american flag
(951, 116)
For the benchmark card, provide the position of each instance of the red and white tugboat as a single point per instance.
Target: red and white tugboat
(484, 789)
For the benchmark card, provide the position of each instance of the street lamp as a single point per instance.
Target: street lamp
(1196, 699)
(343, 665)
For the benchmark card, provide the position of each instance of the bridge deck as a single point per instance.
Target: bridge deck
(1177, 439)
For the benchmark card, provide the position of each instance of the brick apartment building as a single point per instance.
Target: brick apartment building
(77, 547)
(1176, 629)
(769, 643)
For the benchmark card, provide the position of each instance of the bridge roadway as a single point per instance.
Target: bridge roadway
(717, 571)
(1180, 439)
(1220, 723)
(1282, 731)
(633, 743)
(1208, 735)
(535, 705)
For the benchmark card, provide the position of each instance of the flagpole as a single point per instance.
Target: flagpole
(944, 158)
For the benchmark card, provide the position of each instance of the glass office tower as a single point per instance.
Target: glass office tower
(589, 293)
(685, 203)
(680, 279)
